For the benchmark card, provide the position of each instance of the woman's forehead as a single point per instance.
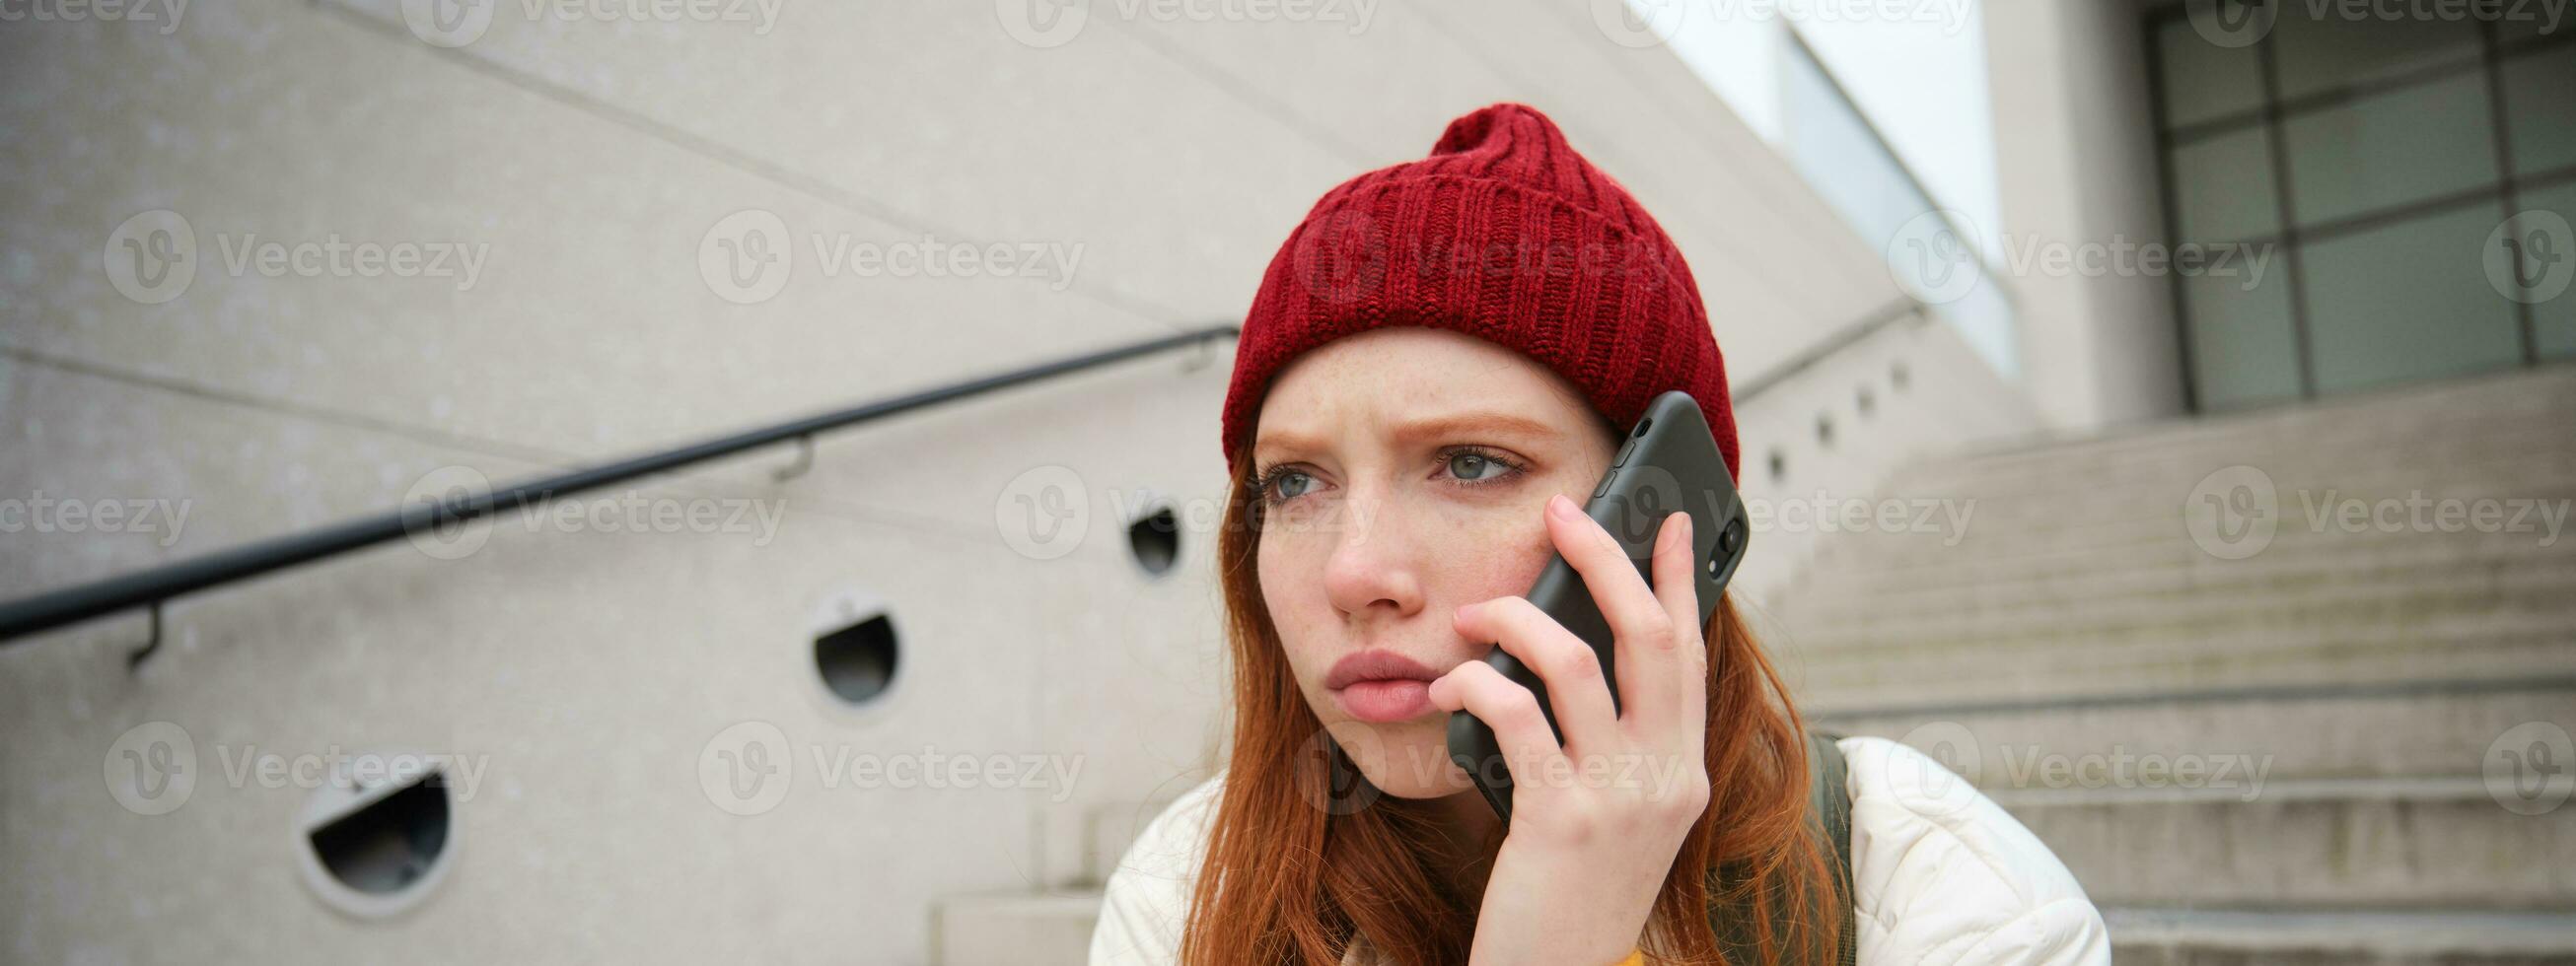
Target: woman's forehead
(1401, 387)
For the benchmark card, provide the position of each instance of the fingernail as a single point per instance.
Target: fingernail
(1466, 609)
(1561, 507)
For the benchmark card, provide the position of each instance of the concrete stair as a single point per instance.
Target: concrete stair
(1048, 928)
(2350, 701)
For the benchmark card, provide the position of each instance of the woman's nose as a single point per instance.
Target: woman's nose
(1375, 560)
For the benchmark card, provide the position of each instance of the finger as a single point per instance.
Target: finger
(1576, 689)
(1507, 708)
(1662, 696)
(1643, 629)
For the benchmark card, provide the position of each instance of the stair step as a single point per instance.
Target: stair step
(1013, 929)
(1830, 583)
(2429, 728)
(2158, 936)
(2187, 586)
(2187, 664)
(2361, 843)
(2534, 593)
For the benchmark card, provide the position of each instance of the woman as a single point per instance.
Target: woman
(1439, 366)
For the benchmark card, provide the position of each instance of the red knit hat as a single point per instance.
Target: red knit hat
(1506, 234)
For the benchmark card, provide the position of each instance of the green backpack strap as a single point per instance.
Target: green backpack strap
(1832, 793)
(1831, 796)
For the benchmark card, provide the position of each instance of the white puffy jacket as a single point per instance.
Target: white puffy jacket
(1940, 874)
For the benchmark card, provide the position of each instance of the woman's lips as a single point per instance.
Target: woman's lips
(1382, 702)
(1381, 686)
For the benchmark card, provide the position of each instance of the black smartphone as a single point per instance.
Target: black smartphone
(1669, 462)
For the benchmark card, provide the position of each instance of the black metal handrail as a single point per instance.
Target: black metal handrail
(153, 587)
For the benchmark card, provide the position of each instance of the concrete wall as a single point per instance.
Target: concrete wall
(593, 669)
(2075, 155)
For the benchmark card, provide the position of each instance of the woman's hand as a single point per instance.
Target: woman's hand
(1595, 822)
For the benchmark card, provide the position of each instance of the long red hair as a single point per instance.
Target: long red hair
(1289, 881)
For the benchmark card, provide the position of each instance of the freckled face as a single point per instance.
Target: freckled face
(1403, 474)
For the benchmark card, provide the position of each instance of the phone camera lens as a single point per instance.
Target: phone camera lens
(1732, 540)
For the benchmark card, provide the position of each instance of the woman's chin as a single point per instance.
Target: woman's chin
(1405, 759)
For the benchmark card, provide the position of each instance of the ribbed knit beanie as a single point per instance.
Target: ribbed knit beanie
(1506, 234)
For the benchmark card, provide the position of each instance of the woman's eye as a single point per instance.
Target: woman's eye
(1290, 484)
(1477, 467)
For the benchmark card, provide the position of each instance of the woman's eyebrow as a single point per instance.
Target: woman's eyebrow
(1436, 427)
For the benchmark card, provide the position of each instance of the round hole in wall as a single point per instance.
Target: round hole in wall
(1779, 466)
(1154, 539)
(380, 833)
(1824, 429)
(856, 648)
